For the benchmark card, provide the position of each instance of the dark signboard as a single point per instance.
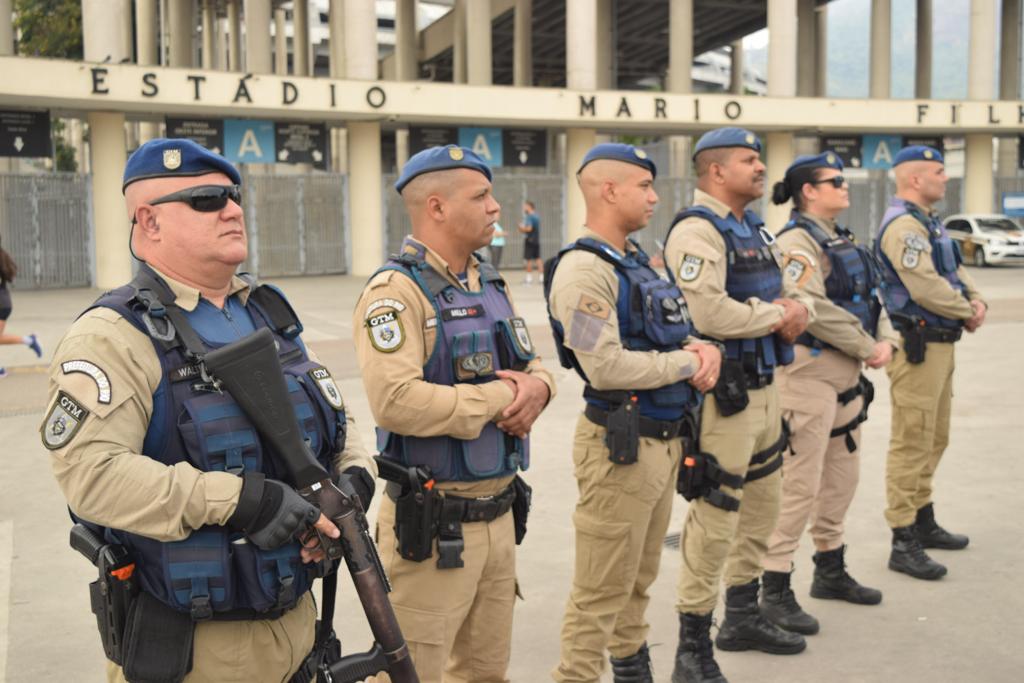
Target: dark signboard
(301, 143)
(929, 141)
(847, 147)
(207, 132)
(525, 147)
(25, 134)
(424, 138)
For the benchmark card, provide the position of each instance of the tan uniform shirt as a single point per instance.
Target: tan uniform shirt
(584, 293)
(401, 400)
(696, 252)
(99, 468)
(807, 266)
(905, 243)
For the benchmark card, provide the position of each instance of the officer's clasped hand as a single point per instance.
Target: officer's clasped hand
(794, 320)
(710, 366)
(271, 513)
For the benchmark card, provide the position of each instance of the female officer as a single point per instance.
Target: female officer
(822, 392)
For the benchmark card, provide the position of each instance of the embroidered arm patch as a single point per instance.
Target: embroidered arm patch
(690, 267)
(62, 422)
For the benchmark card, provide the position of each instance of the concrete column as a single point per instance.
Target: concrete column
(209, 56)
(981, 64)
(522, 44)
(881, 49)
(581, 45)
(366, 215)
(578, 142)
(459, 43)
(406, 55)
(978, 185)
(280, 42)
(234, 37)
(300, 38)
(736, 68)
(782, 30)
(106, 140)
(6, 29)
(821, 52)
(180, 27)
(778, 158)
(105, 37)
(257, 37)
(606, 62)
(146, 52)
(478, 42)
(923, 61)
(807, 33)
(1009, 80)
(336, 64)
(680, 76)
(222, 38)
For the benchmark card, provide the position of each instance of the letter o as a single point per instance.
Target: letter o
(376, 97)
(733, 110)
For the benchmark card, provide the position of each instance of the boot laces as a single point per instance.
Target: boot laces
(788, 602)
(706, 652)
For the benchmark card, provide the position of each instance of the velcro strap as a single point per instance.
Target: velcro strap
(850, 394)
(722, 500)
(777, 447)
(847, 429)
(754, 475)
(714, 472)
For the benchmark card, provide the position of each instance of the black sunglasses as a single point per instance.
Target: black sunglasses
(204, 198)
(837, 181)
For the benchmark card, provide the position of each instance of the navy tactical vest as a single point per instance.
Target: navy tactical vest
(945, 256)
(853, 281)
(652, 317)
(216, 572)
(478, 334)
(752, 272)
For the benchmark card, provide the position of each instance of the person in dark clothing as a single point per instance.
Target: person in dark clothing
(8, 271)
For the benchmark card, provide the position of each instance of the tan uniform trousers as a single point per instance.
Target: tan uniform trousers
(246, 651)
(921, 397)
(819, 474)
(620, 520)
(457, 622)
(715, 540)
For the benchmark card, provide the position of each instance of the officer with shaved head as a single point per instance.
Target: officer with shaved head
(627, 333)
(455, 387)
(931, 299)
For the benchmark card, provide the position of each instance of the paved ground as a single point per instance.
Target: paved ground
(965, 627)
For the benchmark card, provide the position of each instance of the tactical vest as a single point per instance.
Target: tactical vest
(215, 572)
(752, 272)
(945, 256)
(478, 334)
(652, 317)
(853, 282)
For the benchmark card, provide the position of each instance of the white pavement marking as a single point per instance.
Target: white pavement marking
(6, 554)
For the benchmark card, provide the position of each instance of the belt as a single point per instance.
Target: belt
(246, 614)
(755, 381)
(937, 334)
(486, 509)
(651, 428)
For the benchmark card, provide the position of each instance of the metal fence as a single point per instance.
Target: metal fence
(296, 224)
(45, 226)
(869, 198)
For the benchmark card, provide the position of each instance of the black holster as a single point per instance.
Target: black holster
(112, 598)
(521, 507)
(912, 329)
(416, 502)
(731, 389)
(700, 476)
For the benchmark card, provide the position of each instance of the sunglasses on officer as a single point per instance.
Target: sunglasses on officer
(204, 198)
(836, 181)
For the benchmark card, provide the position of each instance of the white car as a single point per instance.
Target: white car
(987, 239)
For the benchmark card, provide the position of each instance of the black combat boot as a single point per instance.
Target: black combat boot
(910, 558)
(932, 535)
(745, 629)
(833, 582)
(633, 669)
(779, 605)
(695, 658)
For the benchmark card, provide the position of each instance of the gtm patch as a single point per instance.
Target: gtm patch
(328, 389)
(911, 257)
(386, 332)
(690, 268)
(62, 422)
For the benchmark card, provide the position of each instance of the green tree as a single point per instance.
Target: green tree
(49, 28)
(64, 154)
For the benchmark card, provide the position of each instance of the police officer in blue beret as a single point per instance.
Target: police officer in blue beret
(626, 331)
(455, 386)
(166, 468)
(931, 300)
(729, 269)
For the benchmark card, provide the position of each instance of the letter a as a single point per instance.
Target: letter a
(480, 147)
(882, 153)
(250, 145)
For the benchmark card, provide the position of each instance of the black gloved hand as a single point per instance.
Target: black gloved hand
(271, 513)
(357, 480)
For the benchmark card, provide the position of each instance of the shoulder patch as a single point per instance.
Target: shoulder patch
(911, 257)
(380, 303)
(798, 267)
(62, 422)
(87, 368)
(328, 389)
(915, 242)
(593, 307)
(690, 267)
(386, 332)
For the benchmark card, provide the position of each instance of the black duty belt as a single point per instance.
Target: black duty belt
(755, 381)
(654, 429)
(485, 509)
(938, 334)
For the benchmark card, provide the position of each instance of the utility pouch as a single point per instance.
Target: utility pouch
(158, 642)
(731, 390)
(623, 437)
(691, 482)
(521, 506)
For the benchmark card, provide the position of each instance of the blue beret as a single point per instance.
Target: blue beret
(727, 137)
(168, 158)
(618, 151)
(441, 159)
(918, 153)
(826, 159)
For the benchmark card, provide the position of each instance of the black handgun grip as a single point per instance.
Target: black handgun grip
(86, 542)
(359, 666)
